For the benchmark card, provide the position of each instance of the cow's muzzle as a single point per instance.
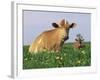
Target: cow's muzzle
(66, 38)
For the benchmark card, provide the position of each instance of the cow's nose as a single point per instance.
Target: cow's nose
(66, 38)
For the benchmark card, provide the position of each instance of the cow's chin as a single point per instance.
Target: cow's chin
(66, 38)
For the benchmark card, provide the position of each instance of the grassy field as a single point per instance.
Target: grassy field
(67, 57)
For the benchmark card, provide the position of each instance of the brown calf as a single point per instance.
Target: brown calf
(78, 44)
(52, 40)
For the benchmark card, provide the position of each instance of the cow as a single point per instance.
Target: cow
(79, 43)
(52, 40)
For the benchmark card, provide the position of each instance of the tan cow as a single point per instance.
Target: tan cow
(52, 40)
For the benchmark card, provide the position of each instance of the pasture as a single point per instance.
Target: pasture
(67, 57)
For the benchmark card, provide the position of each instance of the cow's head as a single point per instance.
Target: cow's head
(65, 25)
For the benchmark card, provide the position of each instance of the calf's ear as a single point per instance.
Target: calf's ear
(55, 25)
(72, 25)
(76, 39)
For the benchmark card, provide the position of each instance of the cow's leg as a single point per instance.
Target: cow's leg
(57, 48)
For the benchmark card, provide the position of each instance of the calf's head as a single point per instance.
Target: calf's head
(64, 25)
(79, 41)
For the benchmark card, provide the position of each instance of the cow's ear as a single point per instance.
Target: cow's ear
(55, 25)
(72, 25)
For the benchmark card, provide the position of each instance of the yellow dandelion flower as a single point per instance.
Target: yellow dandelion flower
(61, 58)
(78, 61)
(57, 57)
(83, 52)
(25, 59)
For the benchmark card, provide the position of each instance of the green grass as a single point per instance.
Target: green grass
(67, 57)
